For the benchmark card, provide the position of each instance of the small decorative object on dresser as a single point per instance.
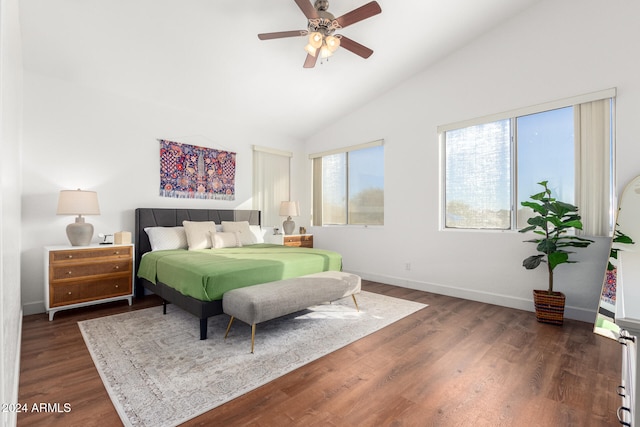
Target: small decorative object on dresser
(122, 237)
(77, 277)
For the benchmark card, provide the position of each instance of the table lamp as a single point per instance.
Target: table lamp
(79, 202)
(289, 209)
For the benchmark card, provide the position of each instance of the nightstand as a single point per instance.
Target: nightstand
(78, 276)
(296, 240)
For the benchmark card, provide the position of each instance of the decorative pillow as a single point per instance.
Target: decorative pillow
(258, 233)
(199, 233)
(164, 238)
(223, 239)
(241, 227)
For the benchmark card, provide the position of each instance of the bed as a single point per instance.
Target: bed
(214, 271)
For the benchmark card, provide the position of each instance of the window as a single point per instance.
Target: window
(348, 186)
(493, 164)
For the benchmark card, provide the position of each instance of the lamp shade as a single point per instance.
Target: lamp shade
(78, 202)
(289, 209)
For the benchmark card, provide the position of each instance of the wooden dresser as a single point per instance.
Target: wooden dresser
(78, 276)
(296, 240)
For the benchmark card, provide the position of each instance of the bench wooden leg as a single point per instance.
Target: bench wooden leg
(253, 336)
(228, 327)
(355, 302)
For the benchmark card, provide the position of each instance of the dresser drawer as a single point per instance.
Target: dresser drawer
(94, 267)
(89, 290)
(96, 253)
(302, 240)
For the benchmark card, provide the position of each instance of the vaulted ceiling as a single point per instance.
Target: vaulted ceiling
(205, 56)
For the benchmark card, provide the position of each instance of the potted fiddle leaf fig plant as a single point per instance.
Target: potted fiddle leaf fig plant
(552, 221)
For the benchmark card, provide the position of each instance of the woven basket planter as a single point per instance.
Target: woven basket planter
(549, 307)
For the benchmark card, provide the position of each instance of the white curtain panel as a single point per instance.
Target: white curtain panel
(593, 166)
(271, 176)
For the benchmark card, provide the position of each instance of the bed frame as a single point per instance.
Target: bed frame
(162, 217)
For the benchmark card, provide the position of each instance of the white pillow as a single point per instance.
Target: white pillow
(241, 227)
(164, 238)
(199, 234)
(221, 239)
(258, 233)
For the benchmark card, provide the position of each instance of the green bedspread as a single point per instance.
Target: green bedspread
(208, 273)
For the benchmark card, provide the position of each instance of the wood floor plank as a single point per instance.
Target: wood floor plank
(456, 362)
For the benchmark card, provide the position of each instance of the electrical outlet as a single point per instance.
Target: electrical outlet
(407, 266)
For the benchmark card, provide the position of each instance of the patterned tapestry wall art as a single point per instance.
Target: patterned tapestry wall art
(192, 172)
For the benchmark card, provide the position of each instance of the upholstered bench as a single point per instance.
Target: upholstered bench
(259, 303)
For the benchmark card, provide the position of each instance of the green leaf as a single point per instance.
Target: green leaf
(623, 239)
(524, 230)
(537, 207)
(557, 258)
(573, 224)
(532, 262)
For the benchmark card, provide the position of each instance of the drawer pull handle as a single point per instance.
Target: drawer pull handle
(116, 267)
(69, 293)
(69, 256)
(116, 253)
(620, 416)
(68, 273)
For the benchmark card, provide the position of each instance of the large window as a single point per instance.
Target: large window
(492, 165)
(348, 186)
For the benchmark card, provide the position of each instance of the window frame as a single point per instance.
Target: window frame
(317, 177)
(512, 115)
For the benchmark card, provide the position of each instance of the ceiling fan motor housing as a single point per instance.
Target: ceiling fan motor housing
(321, 5)
(325, 23)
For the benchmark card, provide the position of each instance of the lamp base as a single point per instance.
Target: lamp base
(288, 226)
(80, 233)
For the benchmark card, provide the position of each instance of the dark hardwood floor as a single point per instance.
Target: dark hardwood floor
(455, 363)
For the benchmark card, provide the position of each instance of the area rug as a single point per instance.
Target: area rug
(159, 373)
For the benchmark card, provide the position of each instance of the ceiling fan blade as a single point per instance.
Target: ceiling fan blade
(307, 8)
(282, 34)
(311, 60)
(355, 47)
(356, 15)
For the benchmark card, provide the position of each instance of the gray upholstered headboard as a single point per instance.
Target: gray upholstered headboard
(166, 217)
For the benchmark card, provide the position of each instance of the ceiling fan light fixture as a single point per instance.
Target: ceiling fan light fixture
(315, 39)
(333, 43)
(311, 50)
(325, 52)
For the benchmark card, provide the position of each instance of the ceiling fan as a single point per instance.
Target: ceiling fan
(322, 26)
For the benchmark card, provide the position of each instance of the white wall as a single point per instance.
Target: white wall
(79, 137)
(76, 137)
(556, 49)
(10, 145)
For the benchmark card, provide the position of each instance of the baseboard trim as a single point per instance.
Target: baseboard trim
(33, 308)
(570, 312)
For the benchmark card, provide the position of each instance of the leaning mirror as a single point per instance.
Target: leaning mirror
(625, 234)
